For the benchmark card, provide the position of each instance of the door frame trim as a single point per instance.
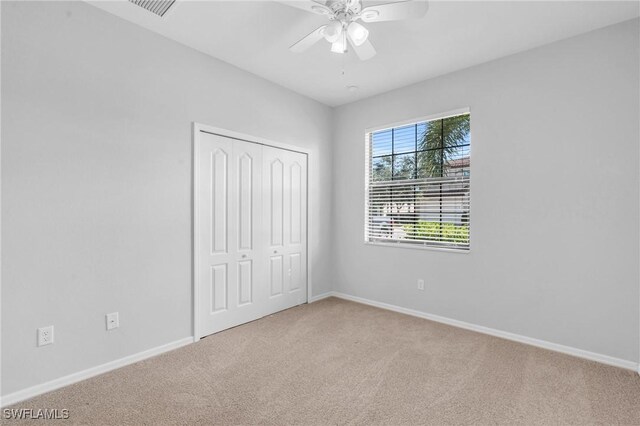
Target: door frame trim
(196, 130)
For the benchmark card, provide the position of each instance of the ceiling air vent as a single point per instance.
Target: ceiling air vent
(159, 7)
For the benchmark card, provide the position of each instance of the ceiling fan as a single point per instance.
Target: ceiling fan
(343, 28)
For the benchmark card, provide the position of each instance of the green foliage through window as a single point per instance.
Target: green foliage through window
(429, 149)
(419, 183)
(437, 231)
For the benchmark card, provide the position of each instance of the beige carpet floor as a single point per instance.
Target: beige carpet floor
(338, 362)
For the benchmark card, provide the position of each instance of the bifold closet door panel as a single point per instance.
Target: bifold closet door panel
(285, 220)
(231, 258)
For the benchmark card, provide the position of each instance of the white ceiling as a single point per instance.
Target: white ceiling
(255, 36)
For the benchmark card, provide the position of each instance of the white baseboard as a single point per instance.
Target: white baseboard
(320, 296)
(36, 390)
(580, 353)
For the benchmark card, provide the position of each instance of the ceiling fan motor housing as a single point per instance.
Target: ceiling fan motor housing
(351, 7)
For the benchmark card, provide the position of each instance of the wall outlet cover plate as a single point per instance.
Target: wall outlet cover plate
(113, 321)
(45, 335)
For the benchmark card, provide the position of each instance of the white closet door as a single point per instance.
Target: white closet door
(285, 222)
(231, 255)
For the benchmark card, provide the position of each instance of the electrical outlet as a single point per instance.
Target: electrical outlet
(420, 284)
(45, 336)
(113, 321)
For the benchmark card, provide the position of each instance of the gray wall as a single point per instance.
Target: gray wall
(96, 181)
(554, 198)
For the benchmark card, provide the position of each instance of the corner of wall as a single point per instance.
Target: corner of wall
(333, 276)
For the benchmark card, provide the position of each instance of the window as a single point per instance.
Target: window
(418, 184)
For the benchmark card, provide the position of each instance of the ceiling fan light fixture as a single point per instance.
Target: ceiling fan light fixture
(340, 45)
(333, 31)
(357, 33)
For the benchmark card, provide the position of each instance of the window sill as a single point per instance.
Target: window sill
(418, 247)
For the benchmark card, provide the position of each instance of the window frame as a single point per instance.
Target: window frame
(367, 180)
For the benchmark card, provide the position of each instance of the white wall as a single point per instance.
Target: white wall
(554, 198)
(96, 181)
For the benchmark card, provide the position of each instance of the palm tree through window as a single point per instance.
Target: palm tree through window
(419, 183)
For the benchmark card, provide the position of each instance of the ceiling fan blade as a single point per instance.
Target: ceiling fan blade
(318, 8)
(364, 51)
(395, 11)
(308, 40)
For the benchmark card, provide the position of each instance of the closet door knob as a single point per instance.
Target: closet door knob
(244, 255)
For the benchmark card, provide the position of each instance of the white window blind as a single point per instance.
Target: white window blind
(418, 184)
